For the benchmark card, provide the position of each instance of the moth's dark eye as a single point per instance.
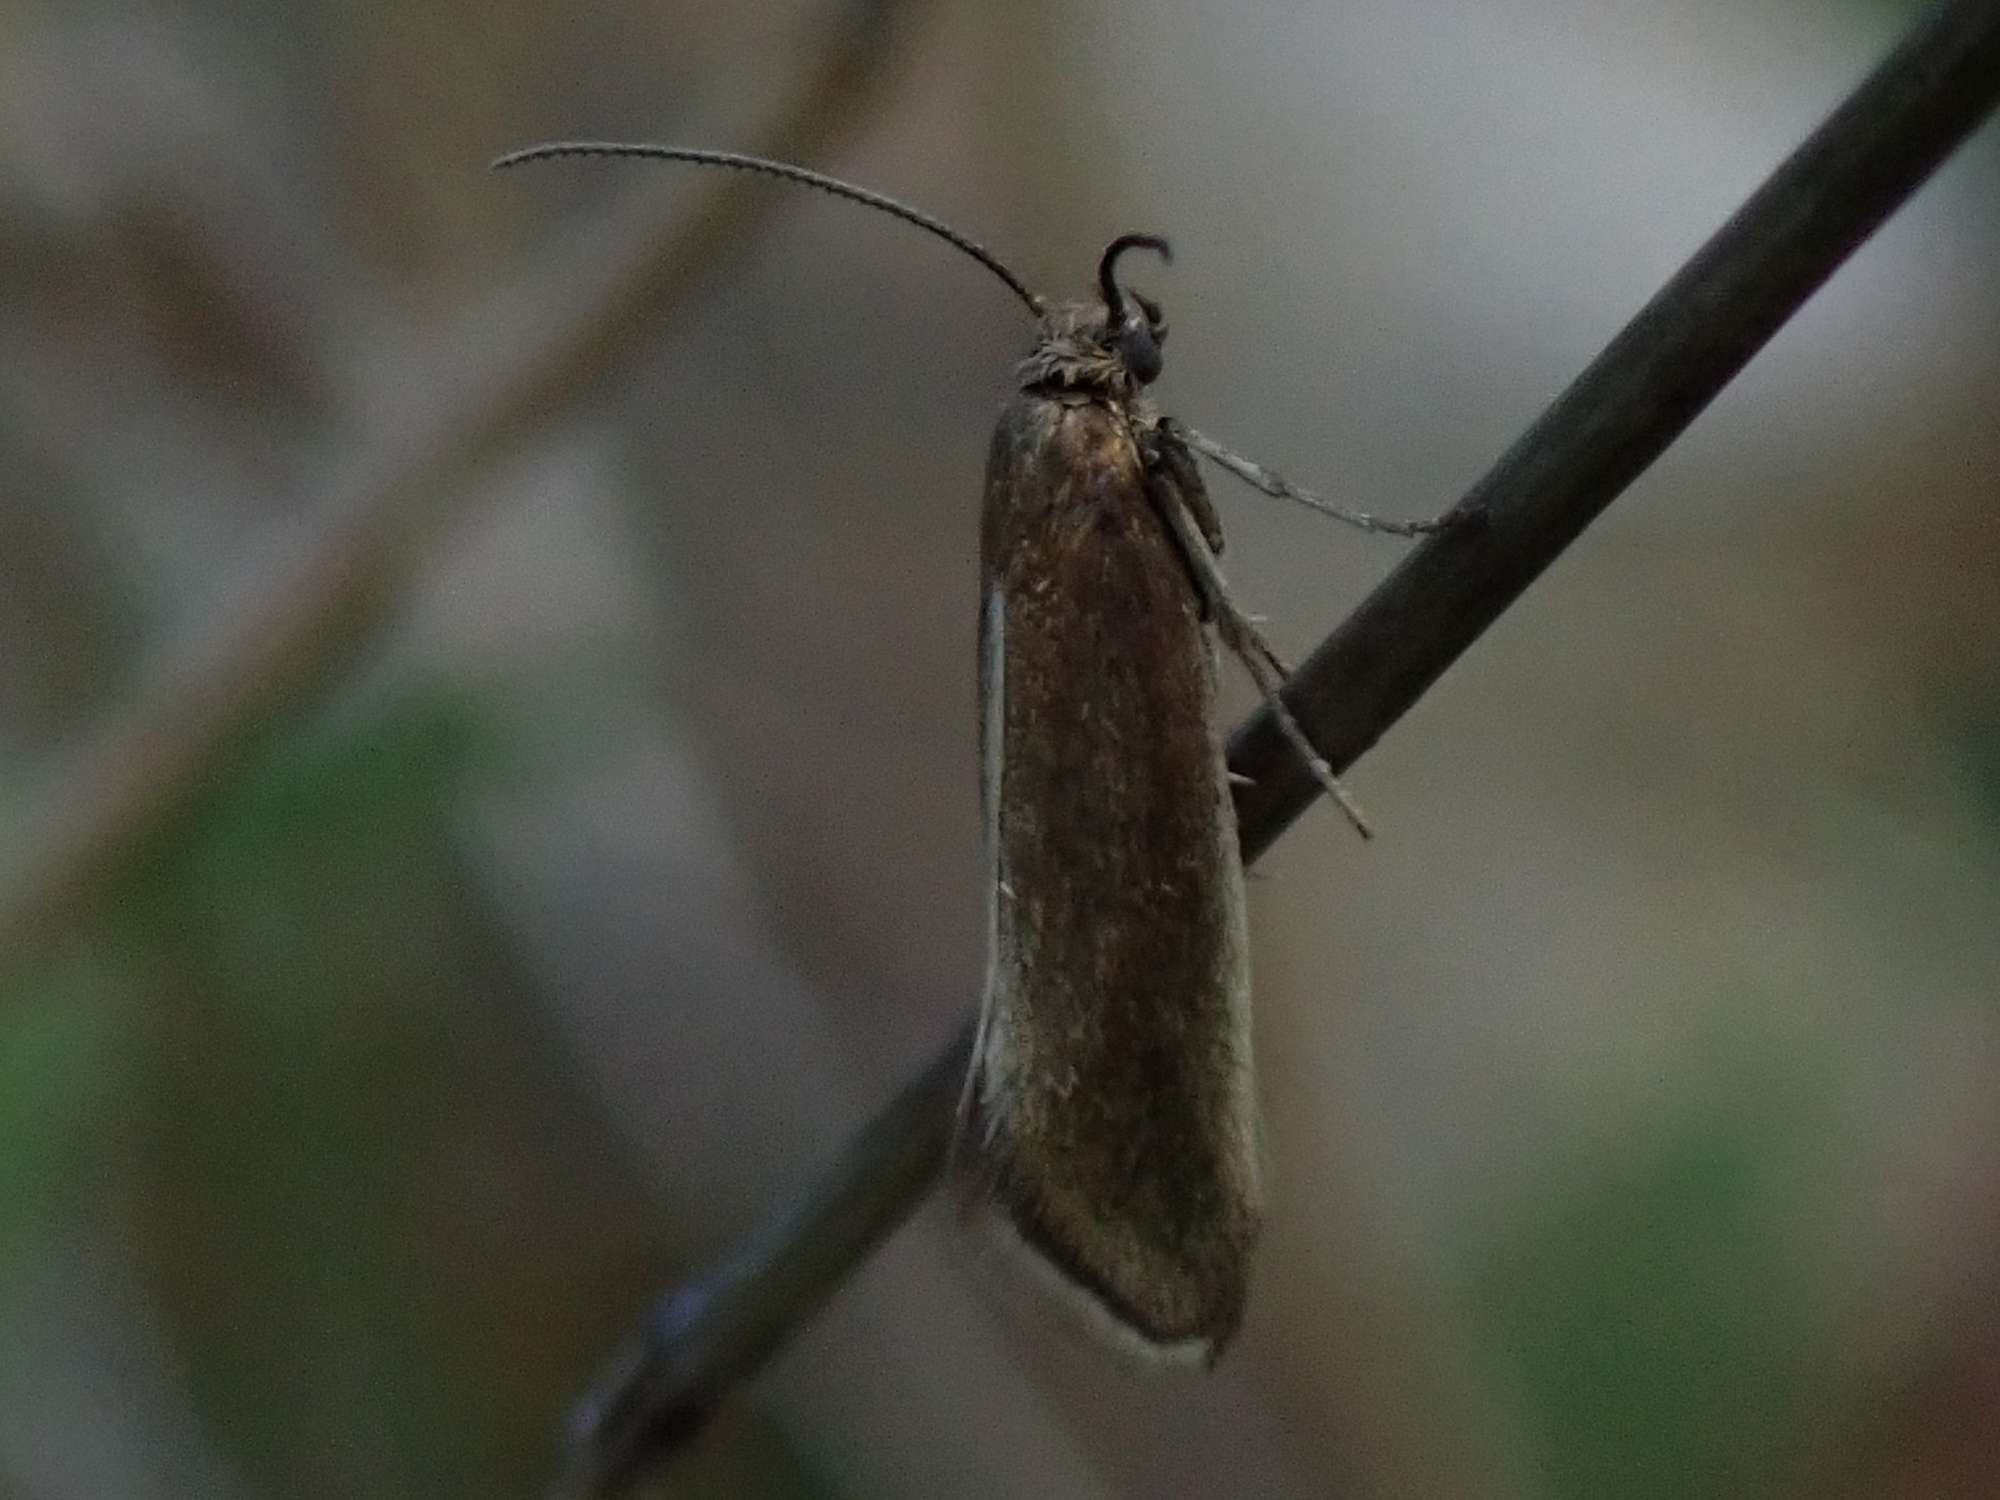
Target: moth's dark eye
(1156, 321)
(1141, 350)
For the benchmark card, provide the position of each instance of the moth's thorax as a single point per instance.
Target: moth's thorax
(1076, 351)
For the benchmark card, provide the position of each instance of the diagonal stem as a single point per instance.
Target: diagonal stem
(1634, 399)
(1669, 362)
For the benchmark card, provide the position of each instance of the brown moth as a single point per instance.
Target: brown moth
(1111, 1117)
(1109, 1121)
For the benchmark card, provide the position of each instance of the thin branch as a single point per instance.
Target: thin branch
(1619, 415)
(701, 1341)
(274, 654)
(1634, 399)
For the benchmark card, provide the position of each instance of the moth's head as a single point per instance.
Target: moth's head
(1109, 348)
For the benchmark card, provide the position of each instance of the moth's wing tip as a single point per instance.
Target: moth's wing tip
(1055, 1295)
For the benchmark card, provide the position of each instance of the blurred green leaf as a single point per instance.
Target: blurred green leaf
(297, 1072)
(1649, 1322)
(302, 930)
(57, 1066)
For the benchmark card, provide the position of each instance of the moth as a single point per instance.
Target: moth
(1109, 1120)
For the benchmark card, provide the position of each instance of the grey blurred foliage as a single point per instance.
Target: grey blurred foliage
(1629, 1103)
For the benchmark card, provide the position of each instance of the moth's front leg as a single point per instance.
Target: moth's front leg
(1176, 492)
(1167, 459)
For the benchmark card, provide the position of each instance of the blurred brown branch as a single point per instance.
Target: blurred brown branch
(275, 653)
(1680, 350)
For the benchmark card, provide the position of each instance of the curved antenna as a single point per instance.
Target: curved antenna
(789, 173)
(1114, 297)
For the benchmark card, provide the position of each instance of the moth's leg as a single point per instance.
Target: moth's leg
(1174, 485)
(1276, 485)
(1165, 454)
(1243, 638)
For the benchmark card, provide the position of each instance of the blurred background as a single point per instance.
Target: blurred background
(586, 561)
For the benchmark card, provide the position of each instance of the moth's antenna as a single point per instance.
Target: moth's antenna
(1107, 282)
(788, 173)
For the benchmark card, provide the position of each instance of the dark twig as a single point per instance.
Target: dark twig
(1620, 414)
(271, 656)
(1631, 402)
(700, 1341)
